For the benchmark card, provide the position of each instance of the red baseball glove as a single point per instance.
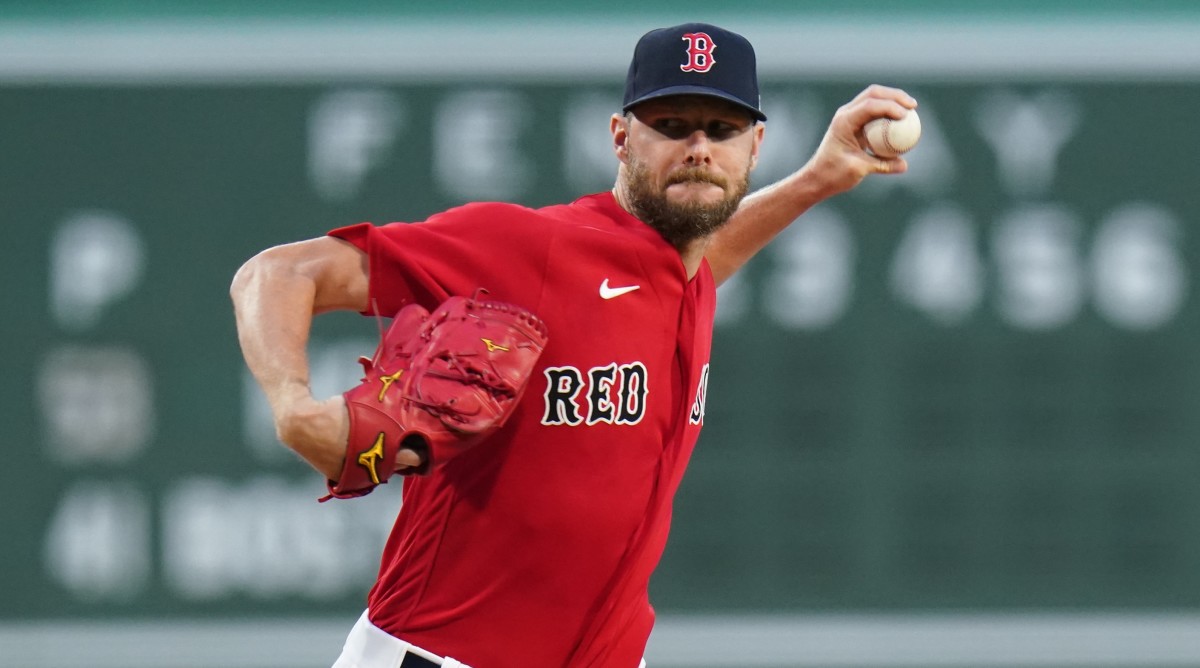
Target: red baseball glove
(439, 384)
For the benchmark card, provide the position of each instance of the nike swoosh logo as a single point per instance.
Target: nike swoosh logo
(608, 293)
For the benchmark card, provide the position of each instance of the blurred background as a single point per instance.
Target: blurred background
(953, 414)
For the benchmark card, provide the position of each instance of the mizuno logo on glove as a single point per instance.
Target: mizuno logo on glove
(369, 459)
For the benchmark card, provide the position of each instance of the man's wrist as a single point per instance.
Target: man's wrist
(811, 185)
(285, 396)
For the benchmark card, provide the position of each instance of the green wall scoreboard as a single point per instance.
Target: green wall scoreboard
(971, 386)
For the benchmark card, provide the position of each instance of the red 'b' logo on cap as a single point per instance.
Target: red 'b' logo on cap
(700, 49)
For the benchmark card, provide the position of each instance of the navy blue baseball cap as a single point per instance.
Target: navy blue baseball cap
(694, 59)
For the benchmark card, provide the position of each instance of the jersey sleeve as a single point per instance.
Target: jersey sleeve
(501, 248)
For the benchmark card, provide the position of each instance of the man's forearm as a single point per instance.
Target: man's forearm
(760, 218)
(273, 306)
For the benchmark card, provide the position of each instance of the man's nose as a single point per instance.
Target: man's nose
(699, 150)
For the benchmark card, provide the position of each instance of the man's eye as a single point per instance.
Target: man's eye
(722, 130)
(677, 128)
(672, 127)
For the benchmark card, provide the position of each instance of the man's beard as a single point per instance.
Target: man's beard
(681, 222)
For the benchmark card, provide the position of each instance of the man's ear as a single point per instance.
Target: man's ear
(760, 130)
(618, 125)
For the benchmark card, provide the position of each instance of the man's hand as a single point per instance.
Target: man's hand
(841, 161)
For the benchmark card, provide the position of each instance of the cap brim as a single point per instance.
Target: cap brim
(696, 90)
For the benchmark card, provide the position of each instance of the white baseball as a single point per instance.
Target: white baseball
(888, 138)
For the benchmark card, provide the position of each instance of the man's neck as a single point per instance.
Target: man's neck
(692, 254)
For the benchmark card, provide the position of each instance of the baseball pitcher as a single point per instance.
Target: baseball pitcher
(544, 378)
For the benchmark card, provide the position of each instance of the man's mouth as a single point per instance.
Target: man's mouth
(694, 175)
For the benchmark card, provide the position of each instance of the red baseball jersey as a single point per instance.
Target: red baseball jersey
(536, 547)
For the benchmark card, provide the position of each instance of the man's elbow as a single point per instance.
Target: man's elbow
(331, 272)
(245, 276)
(255, 273)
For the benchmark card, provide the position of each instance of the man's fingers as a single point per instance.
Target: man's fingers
(864, 111)
(873, 102)
(887, 93)
(891, 165)
(406, 459)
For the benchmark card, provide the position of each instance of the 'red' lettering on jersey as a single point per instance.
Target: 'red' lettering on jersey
(557, 521)
(614, 394)
(699, 52)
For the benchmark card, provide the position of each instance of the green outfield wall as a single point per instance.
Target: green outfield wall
(973, 385)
